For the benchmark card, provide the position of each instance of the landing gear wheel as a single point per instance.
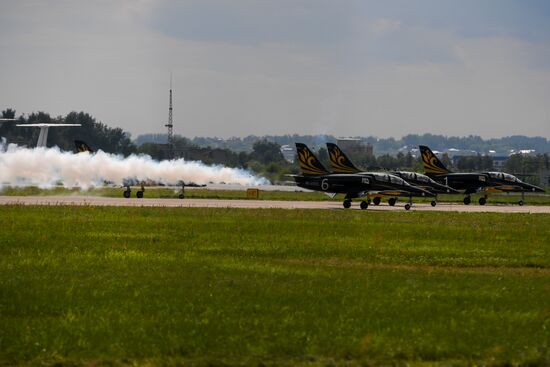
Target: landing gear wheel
(520, 203)
(347, 204)
(482, 201)
(139, 194)
(364, 205)
(181, 195)
(376, 201)
(392, 201)
(407, 206)
(467, 200)
(126, 194)
(368, 201)
(433, 203)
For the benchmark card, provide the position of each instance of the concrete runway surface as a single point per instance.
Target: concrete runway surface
(256, 204)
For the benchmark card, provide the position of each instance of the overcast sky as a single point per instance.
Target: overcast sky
(240, 67)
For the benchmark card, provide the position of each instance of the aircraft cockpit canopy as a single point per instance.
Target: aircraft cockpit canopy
(382, 177)
(396, 180)
(413, 176)
(423, 178)
(504, 176)
(408, 175)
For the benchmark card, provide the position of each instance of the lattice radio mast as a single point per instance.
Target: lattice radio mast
(170, 126)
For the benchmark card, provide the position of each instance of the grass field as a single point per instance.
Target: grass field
(126, 286)
(200, 193)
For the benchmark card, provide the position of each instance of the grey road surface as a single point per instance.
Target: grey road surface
(255, 204)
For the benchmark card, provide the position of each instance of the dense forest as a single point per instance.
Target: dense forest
(263, 155)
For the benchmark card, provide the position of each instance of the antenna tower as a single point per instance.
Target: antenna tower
(170, 126)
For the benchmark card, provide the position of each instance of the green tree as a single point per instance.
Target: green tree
(8, 113)
(265, 152)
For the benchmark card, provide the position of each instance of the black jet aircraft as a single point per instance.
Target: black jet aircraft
(315, 177)
(474, 182)
(340, 163)
(81, 147)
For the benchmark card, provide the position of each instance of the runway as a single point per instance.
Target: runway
(259, 204)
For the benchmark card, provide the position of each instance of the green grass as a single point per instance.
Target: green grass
(200, 193)
(95, 285)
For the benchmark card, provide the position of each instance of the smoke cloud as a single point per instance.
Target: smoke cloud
(45, 167)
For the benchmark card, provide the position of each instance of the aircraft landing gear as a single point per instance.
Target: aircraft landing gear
(364, 205)
(127, 192)
(139, 194)
(433, 203)
(409, 204)
(482, 200)
(392, 201)
(376, 200)
(181, 195)
(467, 200)
(347, 204)
(521, 202)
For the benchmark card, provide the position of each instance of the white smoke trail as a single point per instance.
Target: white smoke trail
(45, 167)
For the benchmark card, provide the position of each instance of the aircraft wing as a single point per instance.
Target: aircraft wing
(502, 188)
(390, 193)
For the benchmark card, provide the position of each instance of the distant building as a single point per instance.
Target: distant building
(288, 153)
(355, 146)
(530, 152)
(455, 154)
(499, 162)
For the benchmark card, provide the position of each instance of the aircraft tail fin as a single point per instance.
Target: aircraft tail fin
(340, 162)
(82, 147)
(309, 164)
(432, 164)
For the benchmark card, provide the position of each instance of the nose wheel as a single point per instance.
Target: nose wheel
(467, 200)
(346, 204)
(409, 204)
(433, 203)
(521, 202)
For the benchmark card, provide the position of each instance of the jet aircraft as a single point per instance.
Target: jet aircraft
(340, 163)
(81, 147)
(354, 185)
(44, 128)
(474, 182)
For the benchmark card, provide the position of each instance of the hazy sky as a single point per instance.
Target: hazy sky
(240, 67)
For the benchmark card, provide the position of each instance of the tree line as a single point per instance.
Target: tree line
(381, 145)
